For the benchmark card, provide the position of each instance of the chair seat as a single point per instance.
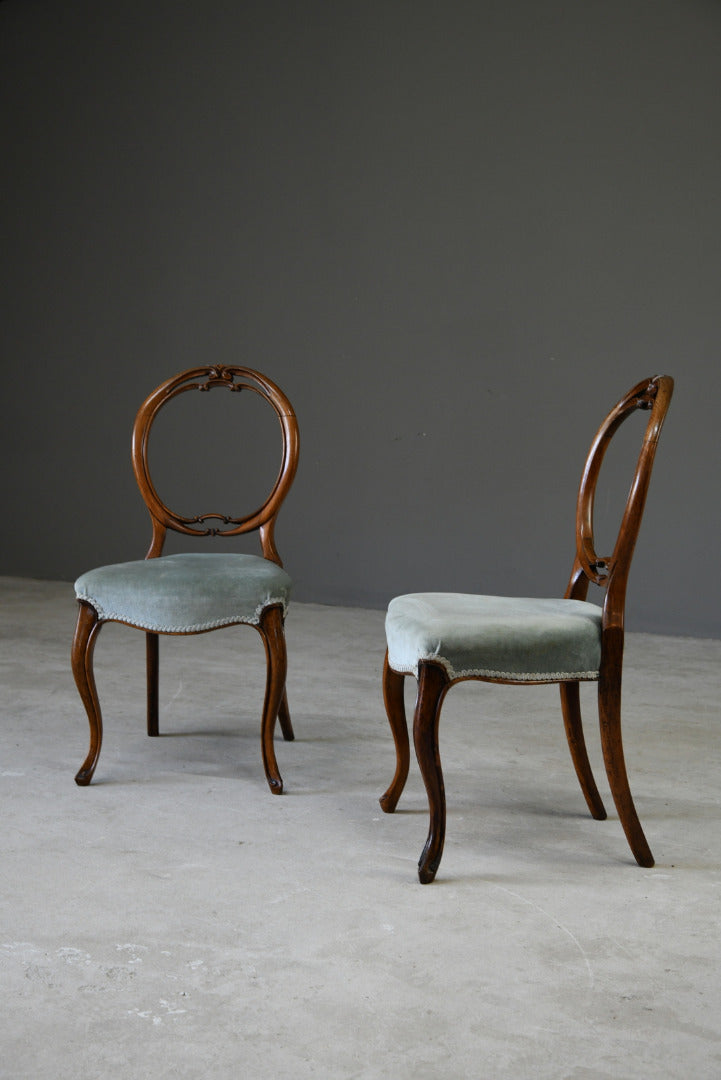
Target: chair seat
(495, 637)
(185, 594)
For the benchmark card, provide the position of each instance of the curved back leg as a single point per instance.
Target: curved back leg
(432, 686)
(86, 633)
(571, 707)
(609, 712)
(393, 684)
(284, 716)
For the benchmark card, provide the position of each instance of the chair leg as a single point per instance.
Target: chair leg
(86, 633)
(284, 716)
(571, 706)
(432, 686)
(271, 630)
(153, 681)
(393, 684)
(609, 709)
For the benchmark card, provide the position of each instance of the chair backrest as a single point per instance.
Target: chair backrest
(204, 379)
(611, 572)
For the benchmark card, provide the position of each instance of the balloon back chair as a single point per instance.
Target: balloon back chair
(195, 592)
(445, 638)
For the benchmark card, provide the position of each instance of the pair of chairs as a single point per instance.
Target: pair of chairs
(439, 638)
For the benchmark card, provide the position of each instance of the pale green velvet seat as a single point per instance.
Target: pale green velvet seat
(186, 594)
(495, 637)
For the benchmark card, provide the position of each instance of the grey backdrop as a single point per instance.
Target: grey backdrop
(453, 232)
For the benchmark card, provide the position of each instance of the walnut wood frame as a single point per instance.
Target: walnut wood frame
(271, 624)
(611, 573)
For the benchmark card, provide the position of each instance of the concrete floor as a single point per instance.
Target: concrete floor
(177, 920)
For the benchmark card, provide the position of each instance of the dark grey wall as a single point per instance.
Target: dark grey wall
(453, 232)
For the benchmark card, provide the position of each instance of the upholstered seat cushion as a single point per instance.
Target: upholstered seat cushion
(185, 594)
(495, 637)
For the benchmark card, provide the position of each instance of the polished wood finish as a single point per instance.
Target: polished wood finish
(433, 684)
(262, 520)
(573, 723)
(86, 634)
(271, 631)
(393, 684)
(610, 573)
(152, 671)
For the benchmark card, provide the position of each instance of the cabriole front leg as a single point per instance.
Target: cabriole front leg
(86, 633)
(432, 686)
(271, 630)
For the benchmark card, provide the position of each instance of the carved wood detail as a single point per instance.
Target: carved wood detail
(205, 379)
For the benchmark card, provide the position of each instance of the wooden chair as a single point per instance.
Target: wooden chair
(445, 638)
(196, 592)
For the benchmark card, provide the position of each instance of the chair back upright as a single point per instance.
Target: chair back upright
(611, 572)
